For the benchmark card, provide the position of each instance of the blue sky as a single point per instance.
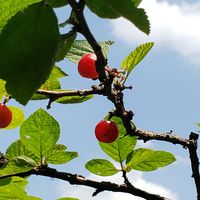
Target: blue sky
(165, 97)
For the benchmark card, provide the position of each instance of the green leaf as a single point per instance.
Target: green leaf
(23, 160)
(9, 8)
(59, 156)
(39, 133)
(26, 67)
(82, 47)
(74, 99)
(102, 9)
(101, 167)
(128, 10)
(148, 160)
(5, 181)
(15, 166)
(136, 56)
(17, 149)
(137, 2)
(65, 44)
(120, 148)
(57, 3)
(32, 198)
(15, 190)
(52, 83)
(12, 191)
(3, 91)
(57, 72)
(19, 181)
(17, 117)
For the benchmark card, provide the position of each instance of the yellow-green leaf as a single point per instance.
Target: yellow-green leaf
(59, 155)
(120, 148)
(17, 117)
(3, 91)
(136, 56)
(74, 99)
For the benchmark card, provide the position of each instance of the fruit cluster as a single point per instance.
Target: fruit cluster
(106, 131)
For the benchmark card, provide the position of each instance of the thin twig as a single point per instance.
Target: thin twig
(167, 137)
(58, 94)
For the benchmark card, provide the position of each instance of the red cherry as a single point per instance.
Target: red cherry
(87, 66)
(106, 131)
(5, 116)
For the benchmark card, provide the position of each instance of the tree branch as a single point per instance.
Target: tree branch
(195, 162)
(74, 179)
(53, 94)
(101, 62)
(167, 137)
(144, 135)
(114, 94)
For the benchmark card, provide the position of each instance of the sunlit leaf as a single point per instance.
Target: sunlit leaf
(136, 56)
(15, 190)
(148, 160)
(17, 117)
(3, 91)
(73, 99)
(52, 83)
(17, 149)
(39, 133)
(15, 166)
(120, 148)
(5, 181)
(101, 167)
(59, 156)
(82, 47)
(9, 8)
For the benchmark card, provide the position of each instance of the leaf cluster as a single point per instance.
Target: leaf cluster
(124, 152)
(36, 148)
(33, 24)
(31, 46)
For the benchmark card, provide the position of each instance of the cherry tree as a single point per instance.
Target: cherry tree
(31, 45)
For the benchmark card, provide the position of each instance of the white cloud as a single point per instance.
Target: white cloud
(173, 26)
(85, 193)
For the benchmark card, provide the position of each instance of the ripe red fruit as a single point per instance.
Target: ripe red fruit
(87, 66)
(106, 131)
(5, 116)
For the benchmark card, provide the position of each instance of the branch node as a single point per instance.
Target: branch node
(194, 136)
(97, 192)
(51, 100)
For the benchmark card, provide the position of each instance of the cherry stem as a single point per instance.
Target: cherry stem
(6, 99)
